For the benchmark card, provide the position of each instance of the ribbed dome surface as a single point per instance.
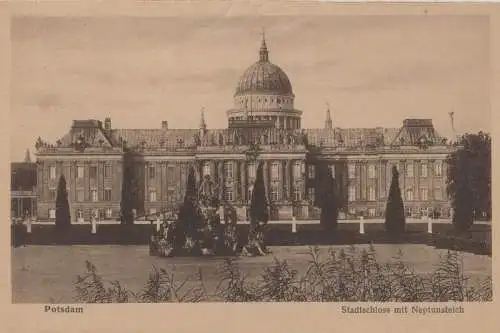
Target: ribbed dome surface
(265, 77)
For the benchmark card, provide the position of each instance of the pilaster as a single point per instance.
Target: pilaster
(236, 180)
(288, 180)
(243, 181)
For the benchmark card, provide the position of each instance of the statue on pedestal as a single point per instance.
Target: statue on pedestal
(207, 235)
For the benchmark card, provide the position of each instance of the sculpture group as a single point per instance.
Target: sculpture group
(204, 225)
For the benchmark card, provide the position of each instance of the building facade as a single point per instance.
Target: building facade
(263, 125)
(23, 196)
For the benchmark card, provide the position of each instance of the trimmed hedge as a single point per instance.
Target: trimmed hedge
(478, 240)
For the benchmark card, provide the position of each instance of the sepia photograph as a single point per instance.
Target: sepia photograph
(251, 159)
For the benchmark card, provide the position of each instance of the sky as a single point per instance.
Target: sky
(372, 70)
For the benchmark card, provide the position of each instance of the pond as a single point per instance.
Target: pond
(46, 274)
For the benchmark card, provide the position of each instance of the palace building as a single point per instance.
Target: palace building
(263, 125)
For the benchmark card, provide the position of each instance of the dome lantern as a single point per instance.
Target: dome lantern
(263, 52)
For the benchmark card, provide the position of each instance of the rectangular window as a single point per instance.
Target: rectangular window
(249, 193)
(332, 169)
(52, 172)
(275, 193)
(151, 172)
(352, 193)
(171, 196)
(79, 214)
(438, 169)
(67, 172)
(206, 169)
(438, 194)
(79, 172)
(310, 194)
(409, 194)
(371, 171)
(424, 193)
(351, 170)
(409, 170)
(93, 172)
(252, 170)
(275, 170)
(93, 195)
(170, 174)
(80, 195)
(152, 195)
(297, 172)
(424, 211)
(297, 194)
(423, 170)
(228, 170)
(107, 194)
(109, 213)
(107, 170)
(409, 211)
(52, 213)
(371, 212)
(371, 193)
(52, 194)
(228, 192)
(312, 171)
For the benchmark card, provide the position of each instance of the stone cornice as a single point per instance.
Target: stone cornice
(265, 112)
(168, 158)
(78, 157)
(382, 157)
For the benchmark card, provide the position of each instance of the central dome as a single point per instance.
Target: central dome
(264, 96)
(264, 77)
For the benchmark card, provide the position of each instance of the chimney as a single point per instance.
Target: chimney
(164, 125)
(107, 124)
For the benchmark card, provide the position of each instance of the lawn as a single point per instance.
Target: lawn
(46, 274)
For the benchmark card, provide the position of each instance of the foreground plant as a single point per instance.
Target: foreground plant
(339, 276)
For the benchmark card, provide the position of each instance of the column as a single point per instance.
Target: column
(303, 179)
(243, 181)
(402, 179)
(86, 177)
(220, 178)
(236, 180)
(364, 179)
(165, 181)
(146, 182)
(290, 180)
(197, 172)
(357, 180)
(213, 171)
(430, 177)
(266, 175)
(379, 174)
